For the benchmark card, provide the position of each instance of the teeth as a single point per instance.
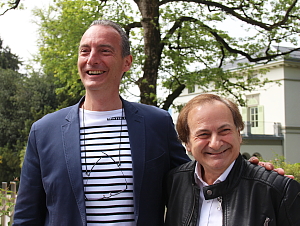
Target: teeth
(95, 72)
(217, 153)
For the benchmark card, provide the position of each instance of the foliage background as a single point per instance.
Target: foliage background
(175, 44)
(23, 100)
(290, 169)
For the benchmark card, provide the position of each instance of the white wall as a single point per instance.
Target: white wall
(281, 104)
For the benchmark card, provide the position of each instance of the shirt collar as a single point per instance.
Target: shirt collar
(201, 183)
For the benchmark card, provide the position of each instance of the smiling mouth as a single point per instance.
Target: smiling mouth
(95, 72)
(219, 153)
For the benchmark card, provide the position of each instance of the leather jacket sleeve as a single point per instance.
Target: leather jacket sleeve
(289, 212)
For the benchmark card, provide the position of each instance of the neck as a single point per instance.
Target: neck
(100, 103)
(209, 177)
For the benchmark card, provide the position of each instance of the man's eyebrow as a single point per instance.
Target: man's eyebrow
(202, 130)
(221, 127)
(99, 46)
(225, 125)
(107, 46)
(83, 45)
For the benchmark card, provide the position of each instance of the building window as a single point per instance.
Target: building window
(191, 89)
(254, 116)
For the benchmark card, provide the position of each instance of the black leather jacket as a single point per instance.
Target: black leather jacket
(251, 195)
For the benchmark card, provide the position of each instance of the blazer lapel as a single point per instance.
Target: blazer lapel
(71, 138)
(136, 131)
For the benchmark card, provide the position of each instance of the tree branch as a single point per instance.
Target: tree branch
(170, 98)
(250, 58)
(232, 12)
(130, 26)
(175, 26)
(218, 38)
(15, 5)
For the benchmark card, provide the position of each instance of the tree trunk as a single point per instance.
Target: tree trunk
(152, 49)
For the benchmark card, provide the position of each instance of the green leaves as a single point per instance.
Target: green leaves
(191, 43)
(23, 100)
(8, 60)
(61, 28)
(6, 196)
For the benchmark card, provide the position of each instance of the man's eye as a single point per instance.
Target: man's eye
(83, 51)
(225, 131)
(203, 135)
(106, 50)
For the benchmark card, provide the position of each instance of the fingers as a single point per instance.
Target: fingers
(254, 160)
(279, 171)
(267, 165)
(290, 176)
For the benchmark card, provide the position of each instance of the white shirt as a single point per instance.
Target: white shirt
(106, 168)
(210, 212)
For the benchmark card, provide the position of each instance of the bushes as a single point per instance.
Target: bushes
(7, 203)
(292, 169)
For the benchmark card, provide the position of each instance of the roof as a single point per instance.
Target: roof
(293, 56)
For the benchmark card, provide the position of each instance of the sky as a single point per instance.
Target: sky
(18, 31)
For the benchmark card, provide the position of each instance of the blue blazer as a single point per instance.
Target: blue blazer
(51, 185)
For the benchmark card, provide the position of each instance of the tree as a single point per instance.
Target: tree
(23, 100)
(58, 48)
(11, 123)
(176, 44)
(8, 60)
(9, 5)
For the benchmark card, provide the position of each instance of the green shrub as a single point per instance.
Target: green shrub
(290, 169)
(6, 196)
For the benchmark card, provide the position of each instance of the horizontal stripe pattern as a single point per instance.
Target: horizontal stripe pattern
(106, 168)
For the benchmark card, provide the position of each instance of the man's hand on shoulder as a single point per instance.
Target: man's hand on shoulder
(268, 166)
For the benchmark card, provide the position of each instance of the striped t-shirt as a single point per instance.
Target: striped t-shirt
(106, 168)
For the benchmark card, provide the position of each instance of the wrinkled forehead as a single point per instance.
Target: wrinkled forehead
(209, 111)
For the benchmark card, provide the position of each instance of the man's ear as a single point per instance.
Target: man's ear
(188, 147)
(128, 62)
(241, 139)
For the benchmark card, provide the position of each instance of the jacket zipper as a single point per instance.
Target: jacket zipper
(193, 209)
(267, 221)
(223, 211)
(220, 202)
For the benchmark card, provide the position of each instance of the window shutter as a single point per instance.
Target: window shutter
(260, 129)
(244, 114)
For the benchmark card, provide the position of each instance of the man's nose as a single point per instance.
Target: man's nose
(93, 58)
(215, 142)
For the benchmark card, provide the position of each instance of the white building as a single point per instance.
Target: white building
(272, 115)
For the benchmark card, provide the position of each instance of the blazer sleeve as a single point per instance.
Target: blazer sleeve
(30, 207)
(177, 152)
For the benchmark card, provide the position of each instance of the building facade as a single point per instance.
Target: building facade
(272, 115)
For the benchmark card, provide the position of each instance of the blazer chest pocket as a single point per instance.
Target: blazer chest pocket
(155, 164)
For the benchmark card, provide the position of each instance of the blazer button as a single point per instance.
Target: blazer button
(209, 192)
